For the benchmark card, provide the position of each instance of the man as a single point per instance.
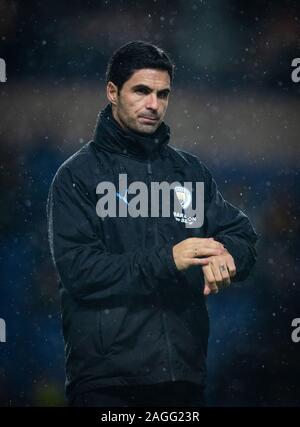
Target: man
(133, 288)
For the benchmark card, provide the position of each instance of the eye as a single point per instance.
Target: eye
(142, 90)
(163, 95)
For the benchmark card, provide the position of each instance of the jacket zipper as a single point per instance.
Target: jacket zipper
(149, 169)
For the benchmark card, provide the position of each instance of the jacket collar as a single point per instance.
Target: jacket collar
(110, 136)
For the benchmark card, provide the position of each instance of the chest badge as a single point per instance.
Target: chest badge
(184, 196)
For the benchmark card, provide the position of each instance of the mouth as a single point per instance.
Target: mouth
(149, 119)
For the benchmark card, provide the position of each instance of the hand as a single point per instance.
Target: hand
(187, 252)
(218, 272)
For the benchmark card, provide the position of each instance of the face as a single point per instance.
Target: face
(142, 102)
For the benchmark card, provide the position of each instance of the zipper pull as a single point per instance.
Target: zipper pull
(149, 168)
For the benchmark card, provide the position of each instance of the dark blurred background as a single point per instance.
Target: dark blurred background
(233, 104)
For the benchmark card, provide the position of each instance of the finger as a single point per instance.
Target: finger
(210, 244)
(205, 251)
(206, 290)
(225, 274)
(231, 266)
(220, 271)
(198, 261)
(196, 242)
(215, 267)
(210, 278)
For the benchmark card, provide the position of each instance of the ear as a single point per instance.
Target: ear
(112, 92)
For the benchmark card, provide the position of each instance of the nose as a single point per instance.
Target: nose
(152, 101)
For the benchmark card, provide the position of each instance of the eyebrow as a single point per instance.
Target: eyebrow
(141, 86)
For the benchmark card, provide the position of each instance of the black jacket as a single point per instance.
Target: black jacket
(129, 316)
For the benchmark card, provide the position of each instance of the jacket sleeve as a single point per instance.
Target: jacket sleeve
(84, 266)
(230, 226)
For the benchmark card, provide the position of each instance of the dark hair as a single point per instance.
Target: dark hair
(134, 56)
